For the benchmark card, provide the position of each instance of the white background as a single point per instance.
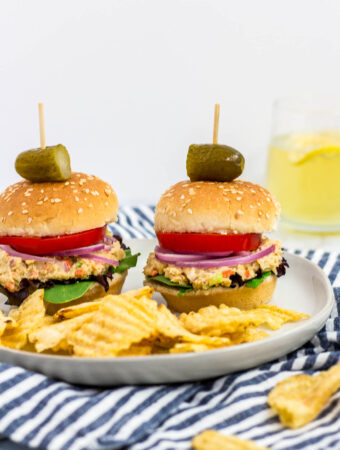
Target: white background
(128, 85)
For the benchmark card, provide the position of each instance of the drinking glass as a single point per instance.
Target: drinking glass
(303, 168)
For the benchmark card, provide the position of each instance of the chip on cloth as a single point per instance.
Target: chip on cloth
(54, 335)
(213, 440)
(215, 321)
(299, 399)
(119, 322)
(29, 316)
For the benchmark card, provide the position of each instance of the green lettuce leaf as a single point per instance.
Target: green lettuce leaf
(63, 293)
(127, 262)
(255, 282)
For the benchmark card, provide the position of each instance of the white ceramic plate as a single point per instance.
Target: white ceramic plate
(305, 288)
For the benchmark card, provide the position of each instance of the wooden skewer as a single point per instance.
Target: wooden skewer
(42, 126)
(216, 122)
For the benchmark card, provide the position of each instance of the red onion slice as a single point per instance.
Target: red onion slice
(102, 259)
(202, 255)
(81, 250)
(231, 261)
(173, 258)
(109, 239)
(8, 249)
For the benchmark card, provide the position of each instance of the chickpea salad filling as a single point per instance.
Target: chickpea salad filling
(191, 278)
(18, 274)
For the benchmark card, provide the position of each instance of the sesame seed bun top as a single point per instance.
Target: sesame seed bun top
(213, 207)
(82, 203)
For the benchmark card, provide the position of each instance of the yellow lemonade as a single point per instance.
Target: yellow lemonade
(304, 173)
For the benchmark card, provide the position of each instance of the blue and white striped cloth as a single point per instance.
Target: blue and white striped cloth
(45, 413)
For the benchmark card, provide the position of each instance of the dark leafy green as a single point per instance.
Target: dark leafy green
(184, 288)
(255, 282)
(63, 293)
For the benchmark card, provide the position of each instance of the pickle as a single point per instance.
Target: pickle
(48, 164)
(214, 162)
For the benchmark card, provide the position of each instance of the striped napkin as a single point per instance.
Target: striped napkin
(41, 412)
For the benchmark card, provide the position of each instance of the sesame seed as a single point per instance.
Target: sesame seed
(251, 206)
(220, 186)
(78, 175)
(106, 203)
(182, 197)
(75, 190)
(90, 205)
(57, 200)
(268, 199)
(260, 213)
(72, 182)
(82, 181)
(258, 204)
(24, 211)
(23, 204)
(107, 191)
(253, 191)
(267, 215)
(240, 212)
(191, 191)
(189, 211)
(27, 194)
(45, 199)
(76, 199)
(52, 200)
(87, 191)
(238, 198)
(90, 177)
(80, 210)
(10, 213)
(40, 202)
(29, 220)
(67, 183)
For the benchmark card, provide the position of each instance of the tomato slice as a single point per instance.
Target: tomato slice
(46, 245)
(209, 242)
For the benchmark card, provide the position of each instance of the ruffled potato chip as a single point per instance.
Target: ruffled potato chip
(213, 440)
(6, 322)
(28, 317)
(220, 321)
(141, 349)
(119, 322)
(83, 308)
(170, 330)
(53, 335)
(299, 399)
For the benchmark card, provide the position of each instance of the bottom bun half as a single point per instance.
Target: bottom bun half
(93, 293)
(243, 297)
